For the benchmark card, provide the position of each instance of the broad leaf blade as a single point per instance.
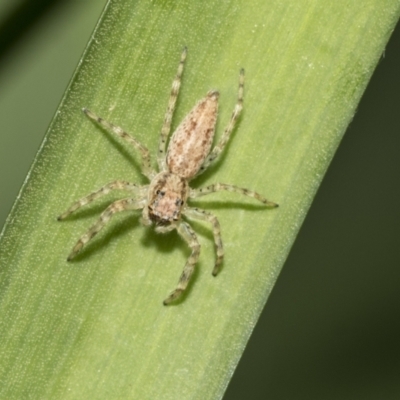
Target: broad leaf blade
(96, 328)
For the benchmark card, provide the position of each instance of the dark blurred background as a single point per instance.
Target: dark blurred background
(331, 329)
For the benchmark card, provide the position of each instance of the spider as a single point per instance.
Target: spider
(165, 200)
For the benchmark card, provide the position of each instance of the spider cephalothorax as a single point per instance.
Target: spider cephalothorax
(164, 201)
(167, 195)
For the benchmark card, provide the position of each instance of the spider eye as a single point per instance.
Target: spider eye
(178, 202)
(160, 192)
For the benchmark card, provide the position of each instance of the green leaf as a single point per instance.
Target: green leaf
(96, 327)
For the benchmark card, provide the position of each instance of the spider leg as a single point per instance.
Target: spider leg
(116, 185)
(187, 233)
(218, 187)
(166, 128)
(203, 215)
(146, 161)
(117, 206)
(216, 151)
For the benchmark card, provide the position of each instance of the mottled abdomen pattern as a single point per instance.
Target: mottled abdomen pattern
(192, 140)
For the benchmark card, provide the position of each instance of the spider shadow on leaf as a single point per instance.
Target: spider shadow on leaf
(127, 153)
(113, 232)
(167, 243)
(164, 242)
(92, 210)
(233, 204)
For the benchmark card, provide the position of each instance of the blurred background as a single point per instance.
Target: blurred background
(331, 328)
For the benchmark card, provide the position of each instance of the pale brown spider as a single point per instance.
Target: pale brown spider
(164, 200)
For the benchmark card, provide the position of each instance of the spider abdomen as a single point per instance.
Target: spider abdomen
(192, 140)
